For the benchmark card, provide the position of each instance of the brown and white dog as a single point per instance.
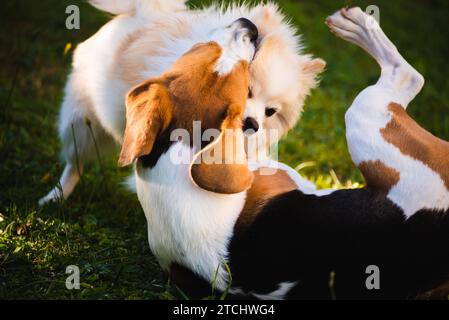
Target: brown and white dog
(144, 40)
(279, 236)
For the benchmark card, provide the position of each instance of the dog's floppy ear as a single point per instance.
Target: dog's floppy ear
(148, 113)
(222, 165)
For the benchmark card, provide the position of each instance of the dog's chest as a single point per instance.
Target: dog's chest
(186, 224)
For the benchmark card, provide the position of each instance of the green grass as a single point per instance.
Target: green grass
(101, 228)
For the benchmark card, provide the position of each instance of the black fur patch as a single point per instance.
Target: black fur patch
(191, 284)
(161, 146)
(304, 238)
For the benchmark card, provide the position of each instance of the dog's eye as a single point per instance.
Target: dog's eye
(250, 93)
(269, 111)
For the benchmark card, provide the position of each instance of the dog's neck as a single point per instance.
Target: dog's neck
(186, 224)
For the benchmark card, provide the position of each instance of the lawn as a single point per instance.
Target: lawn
(101, 228)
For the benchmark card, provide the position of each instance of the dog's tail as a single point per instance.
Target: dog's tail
(139, 7)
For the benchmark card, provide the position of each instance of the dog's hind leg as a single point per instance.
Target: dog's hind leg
(81, 136)
(398, 78)
(396, 156)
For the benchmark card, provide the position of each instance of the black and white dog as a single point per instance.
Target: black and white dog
(280, 237)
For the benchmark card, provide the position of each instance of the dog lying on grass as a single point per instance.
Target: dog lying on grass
(258, 230)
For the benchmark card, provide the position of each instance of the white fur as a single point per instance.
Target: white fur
(419, 187)
(186, 224)
(278, 294)
(138, 7)
(94, 67)
(233, 51)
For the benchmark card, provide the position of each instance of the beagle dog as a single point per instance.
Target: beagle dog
(259, 230)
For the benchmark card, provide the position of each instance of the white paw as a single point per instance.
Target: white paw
(351, 24)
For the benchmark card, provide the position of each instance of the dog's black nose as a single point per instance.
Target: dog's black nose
(250, 124)
(253, 33)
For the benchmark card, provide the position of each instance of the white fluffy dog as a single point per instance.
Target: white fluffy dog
(143, 41)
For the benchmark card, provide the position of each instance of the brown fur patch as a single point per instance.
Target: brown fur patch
(378, 176)
(231, 175)
(148, 113)
(199, 93)
(264, 188)
(416, 142)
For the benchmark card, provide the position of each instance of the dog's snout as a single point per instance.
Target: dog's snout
(251, 28)
(250, 124)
